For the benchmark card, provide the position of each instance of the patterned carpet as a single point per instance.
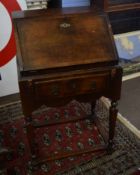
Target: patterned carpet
(125, 159)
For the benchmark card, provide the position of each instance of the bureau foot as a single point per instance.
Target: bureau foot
(110, 147)
(112, 123)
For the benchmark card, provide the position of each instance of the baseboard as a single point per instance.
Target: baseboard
(123, 120)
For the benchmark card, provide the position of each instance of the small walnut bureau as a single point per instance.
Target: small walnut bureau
(66, 54)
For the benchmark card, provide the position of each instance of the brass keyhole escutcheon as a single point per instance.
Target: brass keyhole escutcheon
(72, 85)
(65, 25)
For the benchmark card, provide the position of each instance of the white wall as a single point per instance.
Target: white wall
(9, 83)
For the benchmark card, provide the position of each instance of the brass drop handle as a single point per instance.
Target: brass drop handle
(73, 85)
(93, 85)
(55, 90)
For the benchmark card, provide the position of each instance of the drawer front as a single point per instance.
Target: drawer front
(74, 86)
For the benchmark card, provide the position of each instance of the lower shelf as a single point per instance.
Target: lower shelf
(74, 137)
(68, 144)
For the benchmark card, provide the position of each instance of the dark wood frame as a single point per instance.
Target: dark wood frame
(123, 17)
(118, 7)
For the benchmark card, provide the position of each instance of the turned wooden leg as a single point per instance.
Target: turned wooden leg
(93, 105)
(31, 136)
(92, 115)
(112, 123)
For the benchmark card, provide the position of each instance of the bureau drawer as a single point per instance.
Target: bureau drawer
(71, 86)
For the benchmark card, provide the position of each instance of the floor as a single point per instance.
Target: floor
(129, 105)
(9, 98)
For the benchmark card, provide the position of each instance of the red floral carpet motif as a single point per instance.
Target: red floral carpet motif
(50, 140)
(13, 136)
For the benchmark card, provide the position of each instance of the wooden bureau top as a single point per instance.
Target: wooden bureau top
(48, 40)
